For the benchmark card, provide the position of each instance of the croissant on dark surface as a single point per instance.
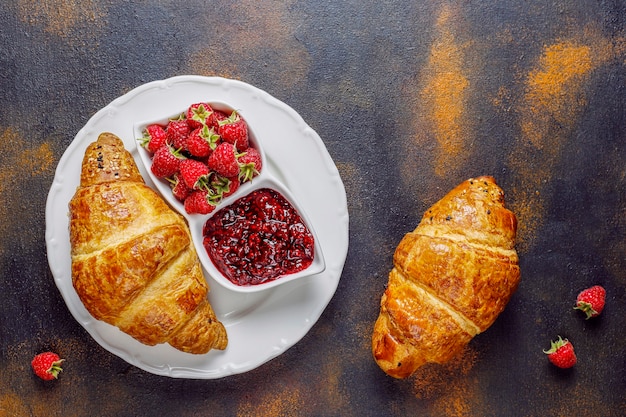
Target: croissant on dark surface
(133, 262)
(451, 278)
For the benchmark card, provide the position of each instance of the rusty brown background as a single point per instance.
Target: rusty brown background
(410, 98)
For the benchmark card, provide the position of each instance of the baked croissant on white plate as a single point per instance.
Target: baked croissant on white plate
(451, 278)
(133, 262)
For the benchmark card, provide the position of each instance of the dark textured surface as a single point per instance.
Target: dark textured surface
(410, 98)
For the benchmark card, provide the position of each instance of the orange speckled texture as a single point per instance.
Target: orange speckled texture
(410, 98)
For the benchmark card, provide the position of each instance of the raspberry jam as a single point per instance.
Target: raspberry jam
(258, 238)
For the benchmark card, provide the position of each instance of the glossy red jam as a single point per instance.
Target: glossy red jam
(258, 238)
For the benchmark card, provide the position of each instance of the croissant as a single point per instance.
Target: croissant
(133, 264)
(451, 278)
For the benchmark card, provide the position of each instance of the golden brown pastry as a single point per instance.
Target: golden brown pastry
(133, 264)
(452, 277)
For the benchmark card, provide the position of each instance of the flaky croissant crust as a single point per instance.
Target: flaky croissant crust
(133, 264)
(452, 277)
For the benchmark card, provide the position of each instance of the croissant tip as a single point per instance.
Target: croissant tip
(482, 178)
(108, 137)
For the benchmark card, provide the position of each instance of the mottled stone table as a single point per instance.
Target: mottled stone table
(410, 98)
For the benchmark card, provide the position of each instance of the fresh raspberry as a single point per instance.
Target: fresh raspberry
(223, 160)
(47, 365)
(561, 353)
(218, 116)
(233, 185)
(180, 191)
(199, 114)
(199, 202)
(223, 186)
(194, 173)
(591, 301)
(154, 137)
(165, 162)
(234, 130)
(177, 131)
(250, 164)
(201, 141)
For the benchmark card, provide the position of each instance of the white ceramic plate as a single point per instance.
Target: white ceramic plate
(261, 325)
